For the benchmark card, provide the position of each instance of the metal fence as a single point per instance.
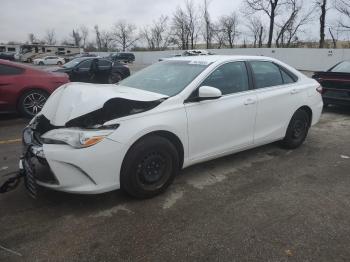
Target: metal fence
(307, 59)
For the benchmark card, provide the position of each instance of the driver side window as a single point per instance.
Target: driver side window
(229, 78)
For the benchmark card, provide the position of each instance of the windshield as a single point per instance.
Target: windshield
(343, 67)
(74, 62)
(167, 78)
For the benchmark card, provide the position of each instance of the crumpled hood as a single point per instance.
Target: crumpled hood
(87, 101)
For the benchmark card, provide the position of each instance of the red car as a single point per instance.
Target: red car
(25, 89)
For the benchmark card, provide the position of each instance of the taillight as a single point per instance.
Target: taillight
(320, 89)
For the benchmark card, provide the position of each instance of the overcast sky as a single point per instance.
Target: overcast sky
(18, 18)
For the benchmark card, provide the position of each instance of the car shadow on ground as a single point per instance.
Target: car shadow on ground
(345, 110)
(67, 203)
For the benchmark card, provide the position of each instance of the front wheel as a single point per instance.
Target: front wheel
(59, 63)
(32, 102)
(149, 167)
(297, 131)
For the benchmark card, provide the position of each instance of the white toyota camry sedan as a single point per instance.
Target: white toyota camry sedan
(139, 134)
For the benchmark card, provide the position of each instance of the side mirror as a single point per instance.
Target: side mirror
(208, 93)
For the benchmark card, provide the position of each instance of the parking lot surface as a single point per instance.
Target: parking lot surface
(265, 204)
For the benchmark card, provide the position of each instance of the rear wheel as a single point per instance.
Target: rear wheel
(297, 131)
(149, 167)
(59, 63)
(29, 60)
(32, 102)
(41, 63)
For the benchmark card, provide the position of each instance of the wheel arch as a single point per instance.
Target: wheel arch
(308, 110)
(173, 138)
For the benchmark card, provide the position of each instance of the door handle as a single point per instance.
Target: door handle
(294, 91)
(250, 101)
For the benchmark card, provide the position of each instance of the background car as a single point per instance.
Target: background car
(95, 70)
(8, 56)
(49, 60)
(122, 57)
(25, 89)
(336, 84)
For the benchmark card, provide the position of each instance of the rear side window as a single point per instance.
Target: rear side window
(287, 79)
(10, 70)
(266, 74)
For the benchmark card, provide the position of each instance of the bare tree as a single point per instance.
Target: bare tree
(257, 31)
(229, 27)
(107, 39)
(192, 22)
(219, 34)
(288, 28)
(50, 37)
(322, 6)
(32, 39)
(76, 37)
(181, 34)
(208, 27)
(124, 34)
(270, 8)
(84, 34)
(98, 37)
(157, 35)
(343, 7)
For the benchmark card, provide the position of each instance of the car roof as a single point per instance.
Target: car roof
(219, 58)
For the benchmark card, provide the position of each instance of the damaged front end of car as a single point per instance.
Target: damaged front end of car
(79, 132)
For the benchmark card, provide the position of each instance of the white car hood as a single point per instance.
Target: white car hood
(74, 100)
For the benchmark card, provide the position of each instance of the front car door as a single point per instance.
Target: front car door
(104, 71)
(278, 98)
(224, 125)
(81, 72)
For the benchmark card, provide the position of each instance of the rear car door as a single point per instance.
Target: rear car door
(278, 98)
(9, 86)
(226, 124)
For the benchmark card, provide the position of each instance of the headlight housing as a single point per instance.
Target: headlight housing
(76, 138)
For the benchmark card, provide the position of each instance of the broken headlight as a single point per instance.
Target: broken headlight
(77, 138)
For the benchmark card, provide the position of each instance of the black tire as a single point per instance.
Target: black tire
(41, 63)
(29, 60)
(31, 102)
(59, 63)
(297, 131)
(149, 167)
